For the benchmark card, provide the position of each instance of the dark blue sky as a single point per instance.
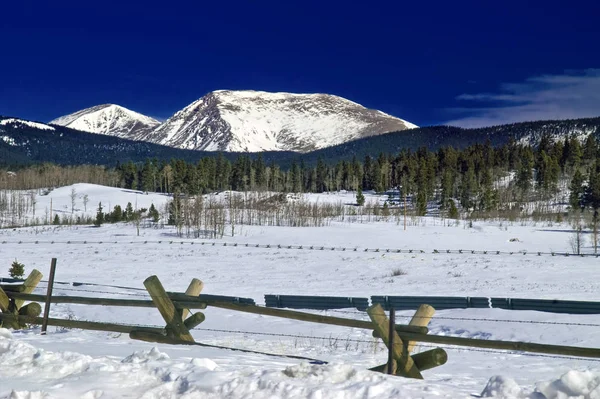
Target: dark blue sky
(506, 60)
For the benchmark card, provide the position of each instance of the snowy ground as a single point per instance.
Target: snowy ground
(74, 363)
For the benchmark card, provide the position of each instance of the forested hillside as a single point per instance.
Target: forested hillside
(478, 178)
(22, 143)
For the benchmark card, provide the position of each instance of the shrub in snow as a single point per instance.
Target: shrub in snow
(398, 272)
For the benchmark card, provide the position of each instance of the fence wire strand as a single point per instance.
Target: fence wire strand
(376, 341)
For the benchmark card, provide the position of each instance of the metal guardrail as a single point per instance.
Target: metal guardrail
(232, 299)
(315, 302)
(397, 302)
(438, 302)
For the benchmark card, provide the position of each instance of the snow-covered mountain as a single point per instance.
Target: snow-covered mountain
(109, 119)
(20, 123)
(255, 121)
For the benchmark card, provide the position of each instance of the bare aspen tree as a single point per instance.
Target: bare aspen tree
(85, 202)
(73, 198)
(231, 213)
(137, 217)
(33, 199)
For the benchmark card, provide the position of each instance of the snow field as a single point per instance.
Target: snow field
(85, 364)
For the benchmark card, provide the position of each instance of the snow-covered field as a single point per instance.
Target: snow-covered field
(84, 364)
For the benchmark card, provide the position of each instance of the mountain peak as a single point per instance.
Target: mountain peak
(108, 119)
(253, 121)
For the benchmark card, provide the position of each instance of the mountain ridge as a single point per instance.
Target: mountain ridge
(23, 141)
(254, 121)
(244, 120)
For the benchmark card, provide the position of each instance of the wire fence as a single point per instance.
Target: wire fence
(335, 342)
(145, 295)
(360, 313)
(438, 251)
(327, 342)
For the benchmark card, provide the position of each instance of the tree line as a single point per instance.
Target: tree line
(479, 178)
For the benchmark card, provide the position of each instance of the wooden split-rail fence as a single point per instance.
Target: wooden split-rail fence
(175, 308)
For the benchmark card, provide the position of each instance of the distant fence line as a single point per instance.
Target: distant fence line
(312, 247)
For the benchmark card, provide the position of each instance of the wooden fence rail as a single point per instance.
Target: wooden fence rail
(183, 301)
(411, 333)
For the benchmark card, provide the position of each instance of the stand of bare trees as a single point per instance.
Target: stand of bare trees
(49, 175)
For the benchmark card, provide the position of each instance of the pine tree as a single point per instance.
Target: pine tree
(452, 210)
(524, 173)
(116, 215)
(153, 213)
(56, 220)
(592, 199)
(128, 214)
(488, 197)
(99, 216)
(385, 211)
(16, 270)
(175, 216)
(129, 175)
(295, 178)
(590, 148)
(447, 191)
(577, 190)
(260, 172)
(421, 202)
(148, 176)
(321, 176)
(360, 198)
(468, 187)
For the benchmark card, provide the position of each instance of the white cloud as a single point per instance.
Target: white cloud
(575, 94)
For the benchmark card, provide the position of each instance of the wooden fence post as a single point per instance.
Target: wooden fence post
(430, 359)
(28, 286)
(404, 363)
(391, 365)
(167, 309)
(5, 307)
(421, 318)
(194, 289)
(424, 360)
(4, 301)
(48, 296)
(12, 307)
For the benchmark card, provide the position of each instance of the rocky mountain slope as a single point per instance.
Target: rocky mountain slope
(253, 121)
